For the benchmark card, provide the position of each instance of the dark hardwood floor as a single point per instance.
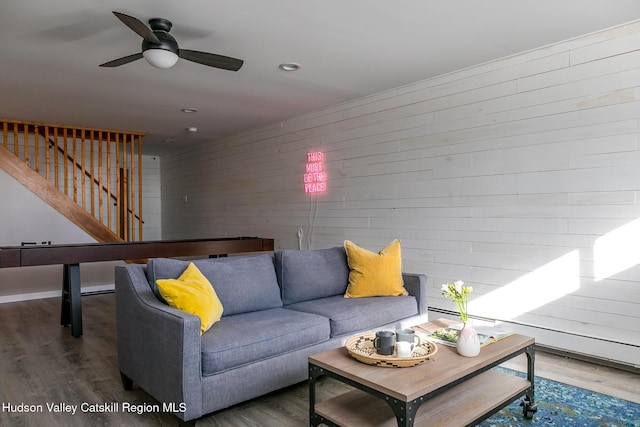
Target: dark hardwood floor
(41, 364)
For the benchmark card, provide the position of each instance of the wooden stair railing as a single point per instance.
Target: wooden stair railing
(59, 201)
(54, 145)
(97, 169)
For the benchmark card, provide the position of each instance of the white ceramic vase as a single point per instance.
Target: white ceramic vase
(468, 343)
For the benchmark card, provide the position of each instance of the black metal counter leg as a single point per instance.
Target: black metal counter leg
(71, 310)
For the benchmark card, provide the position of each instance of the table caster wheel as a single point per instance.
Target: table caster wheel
(528, 408)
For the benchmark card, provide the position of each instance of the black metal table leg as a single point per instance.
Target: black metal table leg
(313, 375)
(405, 412)
(315, 419)
(528, 404)
(71, 310)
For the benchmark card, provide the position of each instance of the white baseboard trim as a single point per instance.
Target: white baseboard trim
(52, 294)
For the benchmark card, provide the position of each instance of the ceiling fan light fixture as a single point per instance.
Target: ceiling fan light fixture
(160, 49)
(160, 58)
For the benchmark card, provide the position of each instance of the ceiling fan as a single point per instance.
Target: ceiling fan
(161, 50)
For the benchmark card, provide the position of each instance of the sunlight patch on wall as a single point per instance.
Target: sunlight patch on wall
(616, 251)
(542, 286)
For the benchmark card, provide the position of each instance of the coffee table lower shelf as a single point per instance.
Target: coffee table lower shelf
(460, 405)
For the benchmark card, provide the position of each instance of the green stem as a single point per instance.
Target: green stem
(462, 308)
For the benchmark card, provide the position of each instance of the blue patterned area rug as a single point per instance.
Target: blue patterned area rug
(562, 405)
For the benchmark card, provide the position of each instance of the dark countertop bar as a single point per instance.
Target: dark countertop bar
(26, 256)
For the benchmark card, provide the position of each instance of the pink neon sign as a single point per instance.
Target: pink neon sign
(315, 176)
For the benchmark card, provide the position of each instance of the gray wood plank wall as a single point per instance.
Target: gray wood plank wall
(518, 176)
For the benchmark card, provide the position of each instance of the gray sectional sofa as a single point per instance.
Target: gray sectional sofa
(279, 308)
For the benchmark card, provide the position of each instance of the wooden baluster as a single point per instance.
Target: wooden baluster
(140, 188)
(47, 154)
(83, 171)
(100, 187)
(5, 127)
(55, 158)
(92, 176)
(16, 146)
(36, 150)
(132, 203)
(74, 156)
(123, 189)
(25, 142)
(65, 159)
(118, 186)
(109, 181)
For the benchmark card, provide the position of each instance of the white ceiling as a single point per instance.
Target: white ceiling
(50, 51)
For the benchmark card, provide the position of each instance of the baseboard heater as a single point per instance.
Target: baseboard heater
(558, 351)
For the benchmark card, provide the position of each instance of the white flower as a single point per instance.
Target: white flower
(458, 284)
(460, 294)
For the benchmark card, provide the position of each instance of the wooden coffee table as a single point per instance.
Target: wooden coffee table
(446, 390)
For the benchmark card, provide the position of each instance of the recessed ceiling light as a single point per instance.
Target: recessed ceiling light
(290, 66)
(192, 129)
(189, 110)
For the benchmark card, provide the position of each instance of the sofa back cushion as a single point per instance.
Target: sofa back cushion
(242, 283)
(307, 275)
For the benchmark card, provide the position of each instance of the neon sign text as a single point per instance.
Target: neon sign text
(315, 176)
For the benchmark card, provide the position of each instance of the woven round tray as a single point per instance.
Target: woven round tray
(361, 348)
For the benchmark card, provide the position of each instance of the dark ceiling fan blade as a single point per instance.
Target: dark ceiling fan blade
(211, 60)
(122, 61)
(138, 27)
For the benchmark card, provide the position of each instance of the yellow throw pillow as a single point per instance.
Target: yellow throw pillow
(374, 275)
(193, 293)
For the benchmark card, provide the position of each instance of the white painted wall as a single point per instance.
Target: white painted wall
(151, 198)
(520, 177)
(26, 218)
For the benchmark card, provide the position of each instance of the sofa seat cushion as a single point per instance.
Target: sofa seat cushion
(248, 337)
(350, 315)
(308, 275)
(243, 283)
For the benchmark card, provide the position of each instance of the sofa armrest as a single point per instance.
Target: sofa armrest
(416, 285)
(158, 346)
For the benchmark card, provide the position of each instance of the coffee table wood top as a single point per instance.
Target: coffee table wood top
(407, 384)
